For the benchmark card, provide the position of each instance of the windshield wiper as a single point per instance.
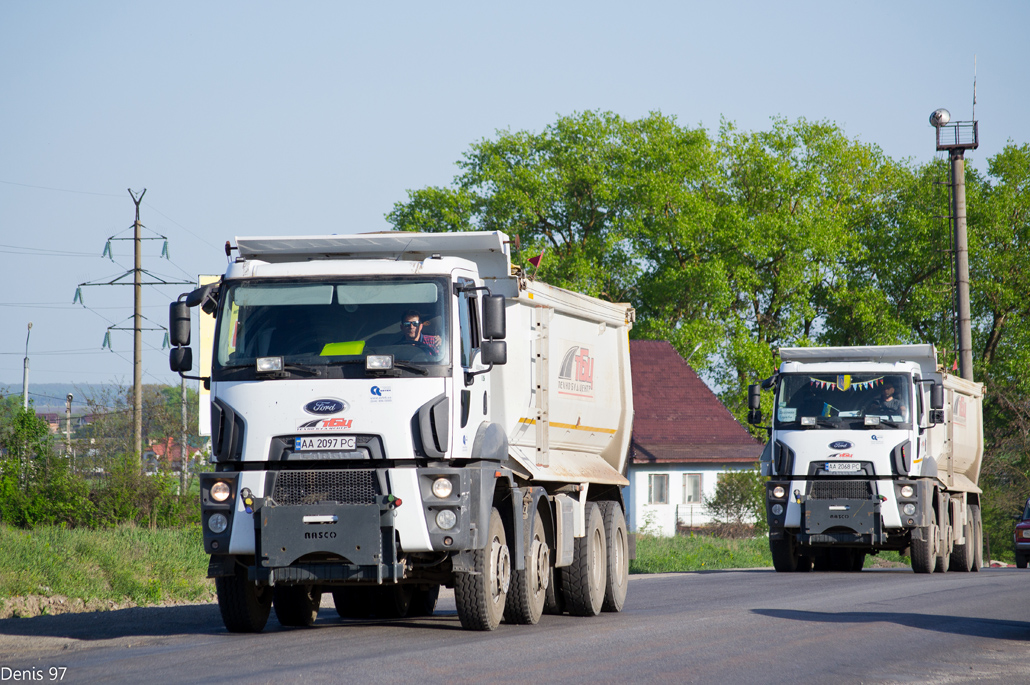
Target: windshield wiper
(410, 367)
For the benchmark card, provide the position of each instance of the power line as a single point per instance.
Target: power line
(59, 190)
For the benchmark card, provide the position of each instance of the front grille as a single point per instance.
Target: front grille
(841, 489)
(344, 486)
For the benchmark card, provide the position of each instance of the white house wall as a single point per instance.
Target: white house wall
(663, 516)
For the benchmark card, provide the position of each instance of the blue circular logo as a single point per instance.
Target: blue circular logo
(841, 445)
(326, 406)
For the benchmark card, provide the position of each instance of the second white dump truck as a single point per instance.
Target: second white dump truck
(392, 413)
(872, 448)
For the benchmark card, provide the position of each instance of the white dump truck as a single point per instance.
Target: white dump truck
(871, 448)
(396, 412)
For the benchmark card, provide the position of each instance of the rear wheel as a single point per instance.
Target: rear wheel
(784, 554)
(244, 606)
(296, 606)
(354, 602)
(529, 586)
(584, 581)
(962, 556)
(943, 553)
(423, 601)
(617, 579)
(480, 597)
(554, 597)
(857, 560)
(978, 545)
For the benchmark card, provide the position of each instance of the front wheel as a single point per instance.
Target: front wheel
(480, 597)
(296, 606)
(785, 555)
(244, 606)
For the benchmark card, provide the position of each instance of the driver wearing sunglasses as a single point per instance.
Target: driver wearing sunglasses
(411, 330)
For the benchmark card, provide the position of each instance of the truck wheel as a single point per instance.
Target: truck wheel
(554, 597)
(962, 555)
(480, 596)
(978, 545)
(244, 606)
(583, 581)
(353, 602)
(529, 586)
(784, 554)
(394, 601)
(423, 601)
(924, 552)
(943, 553)
(296, 606)
(617, 579)
(857, 560)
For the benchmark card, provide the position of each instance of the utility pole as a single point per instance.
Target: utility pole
(183, 448)
(25, 373)
(68, 424)
(137, 317)
(137, 334)
(955, 138)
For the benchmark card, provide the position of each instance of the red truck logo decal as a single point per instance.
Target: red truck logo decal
(576, 374)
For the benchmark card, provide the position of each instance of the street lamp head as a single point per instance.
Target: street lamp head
(940, 117)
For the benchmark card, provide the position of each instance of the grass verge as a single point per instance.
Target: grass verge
(127, 563)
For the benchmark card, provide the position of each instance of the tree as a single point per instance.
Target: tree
(738, 506)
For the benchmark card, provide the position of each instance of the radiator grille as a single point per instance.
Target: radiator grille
(310, 487)
(841, 489)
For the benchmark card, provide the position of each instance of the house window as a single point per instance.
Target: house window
(658, 488)
(692, 488)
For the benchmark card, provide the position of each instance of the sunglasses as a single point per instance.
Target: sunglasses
(409, 324)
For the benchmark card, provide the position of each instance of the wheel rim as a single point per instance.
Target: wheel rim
(618, 555)
(596, 563)
(540, 566)
(500, 569)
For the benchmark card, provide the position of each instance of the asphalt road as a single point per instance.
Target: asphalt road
(877, 626)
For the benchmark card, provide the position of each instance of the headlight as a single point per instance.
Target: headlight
(909, 509)
(220, 491)
(1026, 532)
(217, 523)
(777, 509)
(442, 487)
(907, 491)
(778, 492)
(445, 519)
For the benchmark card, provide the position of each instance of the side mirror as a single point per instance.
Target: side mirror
(179, 324)
(936, 396)
(493, 352)
(754, 397)
(180, 359)
(494, 324)
(206, 296)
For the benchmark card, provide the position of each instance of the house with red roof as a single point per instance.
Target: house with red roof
(683, 438)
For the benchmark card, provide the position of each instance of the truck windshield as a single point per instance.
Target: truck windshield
(327, 322)
(835, 399)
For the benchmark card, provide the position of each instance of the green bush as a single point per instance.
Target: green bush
(738, 506)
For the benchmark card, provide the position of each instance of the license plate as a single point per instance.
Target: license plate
(843, 467)
(334, 443)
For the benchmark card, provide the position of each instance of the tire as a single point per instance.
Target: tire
(243, 605)
(962, 556)
(857, 561)
(1021, 561)
(617, 557)
(354, 602)
(423, 601)
(529, 587)
(924, 552)
(584, 581)
(296, 606)
(480, 597)
(784, 554)
(393, 601)
(554, 597)
(943, 561)
(978, 546)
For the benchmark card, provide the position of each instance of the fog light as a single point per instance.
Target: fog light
(442, 487)
(777, 509)
(445, 519)
(778, 492)
(909, 509)
(220, 491)
(217, 523)
(907, 491)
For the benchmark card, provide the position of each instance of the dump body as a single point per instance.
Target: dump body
(375, 397)
(861, 459)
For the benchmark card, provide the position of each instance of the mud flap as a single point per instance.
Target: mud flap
(352, 531)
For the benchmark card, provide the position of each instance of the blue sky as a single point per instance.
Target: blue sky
(253, 118)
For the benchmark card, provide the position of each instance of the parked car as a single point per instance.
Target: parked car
(1021, 537)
